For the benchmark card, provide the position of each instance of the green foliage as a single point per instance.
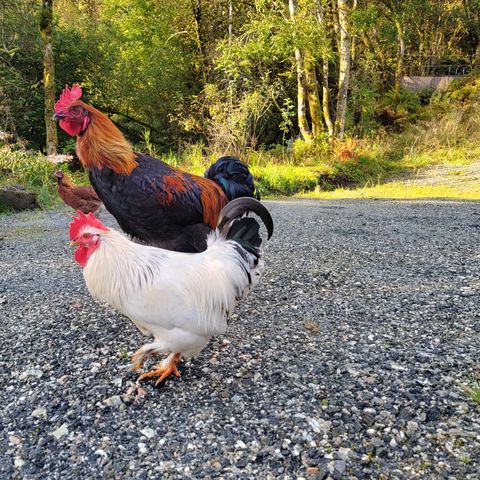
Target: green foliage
(399, 109)
(473, 391)
(281, 179)
(21, 95)
(147, 143)
(234, 118)
(31, 169)
(186, 81)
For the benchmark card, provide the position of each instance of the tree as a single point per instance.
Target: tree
(305, 130)
(46, 29)
(325, 73)
(344, 68)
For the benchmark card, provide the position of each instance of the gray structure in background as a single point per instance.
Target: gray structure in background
(416, 83)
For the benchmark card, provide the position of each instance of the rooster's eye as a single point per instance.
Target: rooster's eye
(75, 109)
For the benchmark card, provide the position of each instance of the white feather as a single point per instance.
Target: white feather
(182, 299)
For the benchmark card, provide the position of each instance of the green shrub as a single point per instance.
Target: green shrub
(288, 179)
(30, 169)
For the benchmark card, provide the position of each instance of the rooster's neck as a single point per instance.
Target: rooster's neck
(103, 145)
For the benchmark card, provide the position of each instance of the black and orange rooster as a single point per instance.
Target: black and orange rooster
(76, 196)
(151, 201)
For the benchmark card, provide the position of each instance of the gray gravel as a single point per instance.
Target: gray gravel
(348, 361)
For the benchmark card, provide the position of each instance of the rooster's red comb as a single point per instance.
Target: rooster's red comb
(82, 221)
(67, 97)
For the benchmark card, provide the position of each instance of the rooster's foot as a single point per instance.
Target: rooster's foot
(163, 370)
(139, 357)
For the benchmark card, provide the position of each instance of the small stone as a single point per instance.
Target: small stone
(95, 367)
(117, 382)
(337, 468)
(14, 440)
(39, 412)
(242, 463)
(114, 401)
(239, 444)
(412, 427)
(319, 425)
(148, 432)
(344, 453)
(31, 372)
(100, 453)
(18, 462)
(142, 448)
(60, 432)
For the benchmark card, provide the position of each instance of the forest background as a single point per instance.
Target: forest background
(308, 92)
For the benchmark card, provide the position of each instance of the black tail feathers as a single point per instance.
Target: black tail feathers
(245, 230)
(234, 177)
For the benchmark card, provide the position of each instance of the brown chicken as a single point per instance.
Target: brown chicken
(79, 198)
(151, 201)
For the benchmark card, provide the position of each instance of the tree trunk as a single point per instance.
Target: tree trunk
(326, 97)
(313, 98)
(46, 26)
(230, 21)
(400, 54)
(305, 130)
(325, 72)
(197, 18)
(344, 70)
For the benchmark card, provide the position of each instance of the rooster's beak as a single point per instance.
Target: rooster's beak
(74, 244)
(57, 117)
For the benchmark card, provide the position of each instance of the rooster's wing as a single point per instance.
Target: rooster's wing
(160, 204)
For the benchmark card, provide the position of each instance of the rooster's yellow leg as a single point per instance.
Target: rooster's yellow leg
(163, 370)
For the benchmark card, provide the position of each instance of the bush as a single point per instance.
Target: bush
(31, 169)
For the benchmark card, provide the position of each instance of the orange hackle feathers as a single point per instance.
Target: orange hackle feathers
(82, 221)
(68, 97)
(103, 145)
(213, 200)
(173, 184)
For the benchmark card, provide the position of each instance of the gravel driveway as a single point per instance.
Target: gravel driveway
(348, 361)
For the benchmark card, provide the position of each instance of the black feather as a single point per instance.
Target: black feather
(234, 178)
(240, 206)
(245, 231)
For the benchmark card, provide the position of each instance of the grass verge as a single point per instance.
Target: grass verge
(398, 190)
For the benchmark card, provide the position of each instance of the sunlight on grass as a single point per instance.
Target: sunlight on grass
(399, 190)
(459, 155)
(287, 179)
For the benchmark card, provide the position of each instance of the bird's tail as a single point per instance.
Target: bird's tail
(245, 230)
(234, 178)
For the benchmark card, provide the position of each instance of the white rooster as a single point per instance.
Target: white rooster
(182, 299)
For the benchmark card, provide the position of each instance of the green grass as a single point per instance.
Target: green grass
(455, 155)
(473, 391)
(398, 190)
(34, 171)
(30, 169)
(278, 179)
